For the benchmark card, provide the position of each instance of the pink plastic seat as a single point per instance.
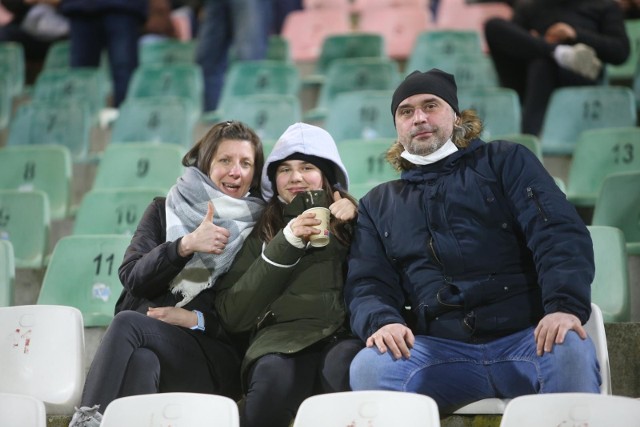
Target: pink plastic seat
(306, 29)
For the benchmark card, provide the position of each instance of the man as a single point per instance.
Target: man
(484, 248)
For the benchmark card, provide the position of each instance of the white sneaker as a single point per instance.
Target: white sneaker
(579, 58)
(86, 416)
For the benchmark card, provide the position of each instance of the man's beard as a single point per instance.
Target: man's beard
(425, 147)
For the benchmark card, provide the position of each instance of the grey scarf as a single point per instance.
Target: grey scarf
(186, 206)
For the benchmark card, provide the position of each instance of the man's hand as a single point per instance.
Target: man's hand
(395, 337)
(553, 328)
(560, 33)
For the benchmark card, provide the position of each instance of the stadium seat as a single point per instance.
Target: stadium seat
(83, 273)
(472, 71)
(625, 71)
(610, 287)
(39, 167)
(439, 42)
(42, 354)
(278, 49)
(171, 409)
(380, 408)
(114, 210)
(167, 51)
(572, 110)
(368, 112)
(595, 329)
(498, 108)
(20, 410)
(139, 165)
(6, 101)
(598, 153)
(359, 5)
(161, 119)
(326, 4)
(57, 56)
(618, 205)
(7, 274)
(347, 75)
(22, 215)
(65, 123)
(571, 409)
(532, 142)
(365, 160)
(306, 29)
(12, 64)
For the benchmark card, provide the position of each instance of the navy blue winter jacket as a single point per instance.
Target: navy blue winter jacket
(480, 244)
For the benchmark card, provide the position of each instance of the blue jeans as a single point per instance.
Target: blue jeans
(117, 32)
(456, 373)
(243, 24)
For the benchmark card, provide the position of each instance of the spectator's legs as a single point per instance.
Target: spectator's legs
(123, 32)
(87, 39)
(335, 362)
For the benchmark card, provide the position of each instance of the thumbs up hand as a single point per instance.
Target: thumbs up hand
(208, 237)
(342, 208)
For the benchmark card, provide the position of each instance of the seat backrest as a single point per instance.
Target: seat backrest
(58, 55)
(359, 5)
(259, 77)
(472, 71)
(268, 114)
(618, 204)
(306, 29)
(532, 142)
(6, 101)
(7, 273)
(171, 409)
(598, 153)
(381, 408)
(139, 165)
(41, 354)
(571, 409)
(12, 63)
(369, 115)
(399, 26)
(498, 108)
(365, 160)
(25, 222)
(626, 70)
(39, 167)
(572, 110)
(19, 410)
(167, 51)
(351, 45)
(278, 49)
(42, 122)
(83, 273)
(158, 119)
(114, 210)
(439, 42)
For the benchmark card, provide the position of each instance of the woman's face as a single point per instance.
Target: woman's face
(297, 176)
(233, 166)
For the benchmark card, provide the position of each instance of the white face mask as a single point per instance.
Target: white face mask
(448, 148)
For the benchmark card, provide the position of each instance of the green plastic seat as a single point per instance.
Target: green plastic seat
(268, 114)
(598, 153)
(365, 160)
(6, 101)
(25, 222)
(7, 273)
(618, 205)
(471, 70)
(12, 64)
(278, 48)
(346, 75)
(66, 123)
(627, 69)
(39, 167)
(573, 110)
(498, 108)
(139, 165)
(532, 142)
(161, 119)
(435, 43)
(368, 112)
(83, 273)
(113, 211)
(167, 51)
(57, 56)
(610, 287)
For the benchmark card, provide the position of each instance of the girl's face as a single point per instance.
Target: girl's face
(297, 176)
(233, 166)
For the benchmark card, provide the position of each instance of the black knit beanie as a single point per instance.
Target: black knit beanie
(434, 81)
(327, 167)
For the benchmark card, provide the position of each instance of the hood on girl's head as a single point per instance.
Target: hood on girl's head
(308, 141)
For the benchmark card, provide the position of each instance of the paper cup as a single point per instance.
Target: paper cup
(322, 239)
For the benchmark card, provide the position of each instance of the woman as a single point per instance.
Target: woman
(166, 335)
(287, 294)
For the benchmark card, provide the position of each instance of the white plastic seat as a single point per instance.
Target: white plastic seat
(19, 410)
(171, 409)
(381, 408)
(41, 354)
(595, 329)
(571, 409)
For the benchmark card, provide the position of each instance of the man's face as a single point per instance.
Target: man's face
(424, 123)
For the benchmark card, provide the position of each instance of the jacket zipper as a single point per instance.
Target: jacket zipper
(531, 195)
(433, 251)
